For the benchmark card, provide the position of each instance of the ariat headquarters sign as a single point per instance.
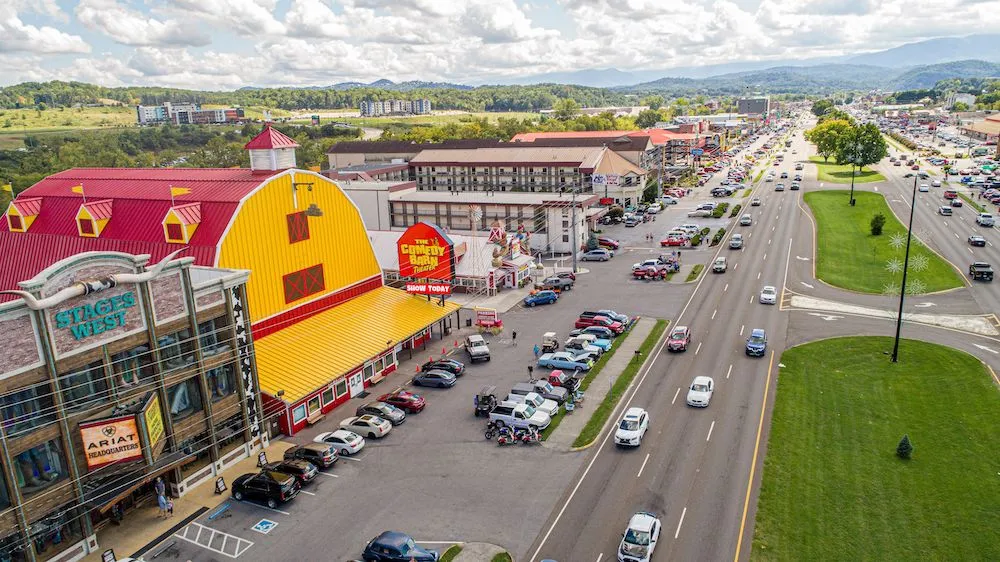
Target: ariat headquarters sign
(110, 441)
(426, 259)
(96, 318)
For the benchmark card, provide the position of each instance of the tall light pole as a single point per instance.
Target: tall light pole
(576, 245)
(855, 156)
(906, 264)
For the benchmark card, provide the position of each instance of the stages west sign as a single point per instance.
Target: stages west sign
(96, 318)
(426, 259)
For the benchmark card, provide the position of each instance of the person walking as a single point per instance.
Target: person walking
(513, 338)
(537, 350)
(160, 488)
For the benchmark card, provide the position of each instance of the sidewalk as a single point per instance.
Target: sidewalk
(478, 552)
(570, 428)
(142, 527)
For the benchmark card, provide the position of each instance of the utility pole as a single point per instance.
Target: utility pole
(576, 242)
(906, 265)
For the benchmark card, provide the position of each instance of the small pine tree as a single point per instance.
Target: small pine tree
(592, 243)
(905, 448)
(878, 221)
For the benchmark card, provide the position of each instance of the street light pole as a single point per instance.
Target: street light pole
(854, 161)
(906, 264)
(576, 246)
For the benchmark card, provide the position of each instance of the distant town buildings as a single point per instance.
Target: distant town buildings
(968, 99)
(760, 105)
(185, 114)
(371, 108)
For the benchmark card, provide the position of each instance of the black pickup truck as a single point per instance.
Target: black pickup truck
(981, 271)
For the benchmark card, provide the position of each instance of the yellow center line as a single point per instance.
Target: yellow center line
(753, 465)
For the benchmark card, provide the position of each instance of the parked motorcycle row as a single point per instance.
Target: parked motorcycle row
(507, 436)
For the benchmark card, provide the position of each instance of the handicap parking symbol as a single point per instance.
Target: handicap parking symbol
(264, 526)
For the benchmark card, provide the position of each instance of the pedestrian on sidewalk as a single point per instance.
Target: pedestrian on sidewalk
(170, 508)
(537, 350)
(161, 502)
(513, 338)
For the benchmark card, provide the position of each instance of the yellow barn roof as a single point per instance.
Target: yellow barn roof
(310, 354)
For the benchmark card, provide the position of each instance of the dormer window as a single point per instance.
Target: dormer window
(180, 222)
(22, 212)
(93, 217)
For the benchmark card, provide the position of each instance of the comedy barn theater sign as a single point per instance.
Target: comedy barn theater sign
(426, 259)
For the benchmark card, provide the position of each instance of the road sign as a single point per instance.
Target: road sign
(697, 152)
(264, 526)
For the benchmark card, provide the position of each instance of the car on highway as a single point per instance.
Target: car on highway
(736, 242)
(795, 186)
(679, 339)
(976, 240)
(303, 471)
(768, 295)
(897, 163)
(640, 538)
(345, 441)
(566, 360)
(541, 297)
(319, 454)
(270, 487)
(799, 166)
(769, 178)
(746, 220)
(956, 203)
(798, 177)
(404, 400)
(392, 546)
(435, 378)
(383, 410)
(600, 254)
(632, 428)
(755, 202)
(756, 344)
(784, 175)
(936, 183)
(373, 427)
(779, 187)
(719, 265)
(945, 210)
(700, 392)
(924, 188)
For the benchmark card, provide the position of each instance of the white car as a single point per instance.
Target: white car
(936, 183)
(640, 538)
(654, 208)
(700, 392)
(346, 442)
(924, 188)
(370, 426)
(768, 295)
(644, 263)
(550, 407)
(691, 229)
(700, 213)
(668, 200)
(633, 426)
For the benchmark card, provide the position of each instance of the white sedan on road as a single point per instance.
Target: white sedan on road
(640, 538)
(700, 393)
(632, 427)
(768, 295)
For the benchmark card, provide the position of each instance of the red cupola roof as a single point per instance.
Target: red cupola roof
(270, 138)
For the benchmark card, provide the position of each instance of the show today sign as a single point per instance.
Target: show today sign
(97, 317)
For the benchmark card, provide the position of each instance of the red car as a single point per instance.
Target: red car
(616, 327)
(609, 243)
(406, 401)
(650, 272)
(915, 167)
(566, 275)
(679, 339)
(673, 241)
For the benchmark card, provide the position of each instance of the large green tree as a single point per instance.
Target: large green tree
(565, 108)
(820, 107)
(647, 118)
(862, 145)
(826, 136)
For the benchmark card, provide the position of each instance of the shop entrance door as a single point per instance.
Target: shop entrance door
(356, 384)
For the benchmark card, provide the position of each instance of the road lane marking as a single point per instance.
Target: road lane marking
(956, 235)
(599, 556)
(713, 313)
(765, 257)
(742, 327)
(970, 251)
(768, 241)
(726, 288)
(698, 348)
(753, 463)
(735, 267)
(729, 371)
(772, 229)
(681, 522)
(945, 223)
(710, 428)
(675, 395)
(641, 468)
(758, 277)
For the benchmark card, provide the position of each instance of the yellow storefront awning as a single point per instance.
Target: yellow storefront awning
(305, 356)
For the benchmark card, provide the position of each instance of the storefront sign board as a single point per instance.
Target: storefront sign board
(110, 441)
(426, 253)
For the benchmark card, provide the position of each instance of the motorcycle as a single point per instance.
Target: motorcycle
(506, 437)
(491, 429)
(530, 436)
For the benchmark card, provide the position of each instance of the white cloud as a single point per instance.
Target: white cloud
(246, 17)
(130, 27)
(17, 36)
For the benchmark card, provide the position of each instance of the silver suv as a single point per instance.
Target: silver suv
(476, 346)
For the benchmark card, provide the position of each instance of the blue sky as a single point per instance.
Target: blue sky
(227, 44)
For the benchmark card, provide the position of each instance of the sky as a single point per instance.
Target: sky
(229, 44)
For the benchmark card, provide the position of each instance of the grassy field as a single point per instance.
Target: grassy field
(841, 173)
(848, 256)
(833, 488)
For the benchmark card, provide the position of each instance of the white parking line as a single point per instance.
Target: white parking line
(681, 522)
(640, 472)
(346, 458)
(599, 556)
(698, 348)
(267, 508)
(330, 475)
(742, 327)
(956, 235)
(308, 493)
(726, 288)
(946, 223)
(713, 313)
(710, 428)
(970, 251)
(675, 395)
(729, 371)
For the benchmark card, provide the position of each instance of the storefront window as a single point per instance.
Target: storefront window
(51, 535)
(39, 467)
(328, 396)
(379, 365)
(299, 413)
(221, 381)
(184, 399)
(369, 372)
(341, 387)
(230, 434)
(13, 547)
(314, 405)
(27, 409)
(84, 387)
(201, 447)
(176, 350)
(215, 336)
(133, 366)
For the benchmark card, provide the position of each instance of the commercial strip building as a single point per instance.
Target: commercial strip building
(115, 371)
(758, 105)
(371, 108)
(986, 130)
(186, 113)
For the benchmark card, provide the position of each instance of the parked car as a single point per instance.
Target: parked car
(600, 254)
(535, 400)
(383, 410)
(632, 221)
(614, 326)
(476, 347)
(768, 295)
(599, 331)
(321, 455)
(632, 427)
(435, 378)
(566, 275)
(591, 339)
(270, 487)
(679, 339)
(699, 213)
(566, 360)
(700, 392)
(580, 346)
(303, 471)
(639, 539)
(346, 442)
(556, 283)
(519, 416)
(392, 546)
(560, 378)
(369, 426)
(675, 240)
(609, 243)
(757, 343)
(404, 400)
(541, 297)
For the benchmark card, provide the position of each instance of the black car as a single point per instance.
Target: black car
(323, 456)
(303, 471)
(456, 368)
(272, 488)
(976, 240)
(392, 546)
(382, 410)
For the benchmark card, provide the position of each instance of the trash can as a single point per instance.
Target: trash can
(468, 322)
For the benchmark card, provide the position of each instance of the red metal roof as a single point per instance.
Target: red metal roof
(656, 136)
(189, 213)
(270, 138)
(99, 209)
(206, 184)
(28, 206)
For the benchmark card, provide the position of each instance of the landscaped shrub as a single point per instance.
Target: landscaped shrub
(720, 210)
(718, 236)
(878, 221)
(905, 448)
(704, 232)
(735, 210)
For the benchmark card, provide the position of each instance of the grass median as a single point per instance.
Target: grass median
(695, 272)
(502, 557)
(833, 487)
(850, 257)
(841, 173)
(979, 208)
(451, 553)
(601, 413)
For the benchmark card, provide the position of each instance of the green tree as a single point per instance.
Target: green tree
(960, 106)
(862, 145)
(654, 102)
(826, 136)
(877, 223)
(905, 449)
(652, 191)
(566, 108)
(820, 107)
(647, 118)
(592, 243)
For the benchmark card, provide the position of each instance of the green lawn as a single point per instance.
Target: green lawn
(973, 204)
(841, 173)
(848, 256)
(695, 271)
(832, 486)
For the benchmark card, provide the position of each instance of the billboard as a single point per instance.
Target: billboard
(426, 256)
(111, 440)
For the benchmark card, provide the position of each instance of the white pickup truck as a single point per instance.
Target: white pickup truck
(985, 219)
(519, 416)
(547, 407)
